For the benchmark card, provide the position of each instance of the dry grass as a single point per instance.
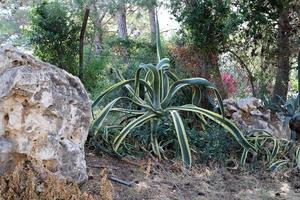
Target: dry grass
(152, 181)
(30, 180)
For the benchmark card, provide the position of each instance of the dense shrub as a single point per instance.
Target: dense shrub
(213, 144)
(54, 35)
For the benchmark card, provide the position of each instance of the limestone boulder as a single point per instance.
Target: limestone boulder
(45, 114)
(251, 114)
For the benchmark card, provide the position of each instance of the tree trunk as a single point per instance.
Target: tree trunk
(98, 29)
(212, 72)
(121, 17)
(283, 59)
(82, 32)
(122, 29)
(151, 12)
(98, 37)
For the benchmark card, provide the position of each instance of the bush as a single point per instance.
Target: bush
(95, 77)
(213, 144)
(54, 35)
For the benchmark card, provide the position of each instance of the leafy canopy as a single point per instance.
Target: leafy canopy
(208, 23)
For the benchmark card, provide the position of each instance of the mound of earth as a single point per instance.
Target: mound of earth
(30, 180)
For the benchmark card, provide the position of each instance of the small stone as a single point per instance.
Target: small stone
(232, 108)
(256, 113)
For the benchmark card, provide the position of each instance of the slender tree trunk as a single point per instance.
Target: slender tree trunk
(121, 17)
(151, 12)
(212, 72)
(98, 38)
(122, 29)
(283, 58)
(98, 23)
(82, 32)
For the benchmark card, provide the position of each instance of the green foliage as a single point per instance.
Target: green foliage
(54, 35)
(209, 23)
(138, 50)
(95, 77)
(213, 144)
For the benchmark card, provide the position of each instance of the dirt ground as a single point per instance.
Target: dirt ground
(149, 180)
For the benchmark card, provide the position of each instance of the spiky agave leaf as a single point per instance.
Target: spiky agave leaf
(109, 107)
(182, 139)
(136, 99)
(277, 164)
(156, 83)
(198, 82)
(163, 64)
(130, 126)
(128, 111)
(244, 156)
(110, 89)
(154, 138)
(120, 77)
(176, 86)
(229, 126)
(165, 85)
(297, 156)
(104, 112)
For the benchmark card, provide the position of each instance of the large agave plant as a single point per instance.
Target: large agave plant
(152, 92)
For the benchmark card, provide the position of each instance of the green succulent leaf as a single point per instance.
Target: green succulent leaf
(229, 126)
(104, 112)
(276, 165)
(163, 64)
(130, 126)
(244, 156)
(297, 157)
(197, 82)
(182, 139)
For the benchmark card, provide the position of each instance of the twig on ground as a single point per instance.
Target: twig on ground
(129, 184)
(130, 162)
(102, 166)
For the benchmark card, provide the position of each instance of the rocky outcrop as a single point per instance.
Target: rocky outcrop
(45, 113)
(250, 114)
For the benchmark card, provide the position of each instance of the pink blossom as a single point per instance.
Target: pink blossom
(230, 82)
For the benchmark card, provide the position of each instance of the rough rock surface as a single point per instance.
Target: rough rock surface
(44, 113)
(250, 114)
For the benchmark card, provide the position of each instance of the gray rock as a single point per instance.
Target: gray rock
(45, 113)
(250, 114)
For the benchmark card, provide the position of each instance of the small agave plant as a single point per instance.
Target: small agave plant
(274, 152)
(152, 90)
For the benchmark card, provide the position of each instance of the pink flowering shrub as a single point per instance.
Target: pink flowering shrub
(230, 82)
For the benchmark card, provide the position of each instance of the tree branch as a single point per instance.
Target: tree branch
(250, 76)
